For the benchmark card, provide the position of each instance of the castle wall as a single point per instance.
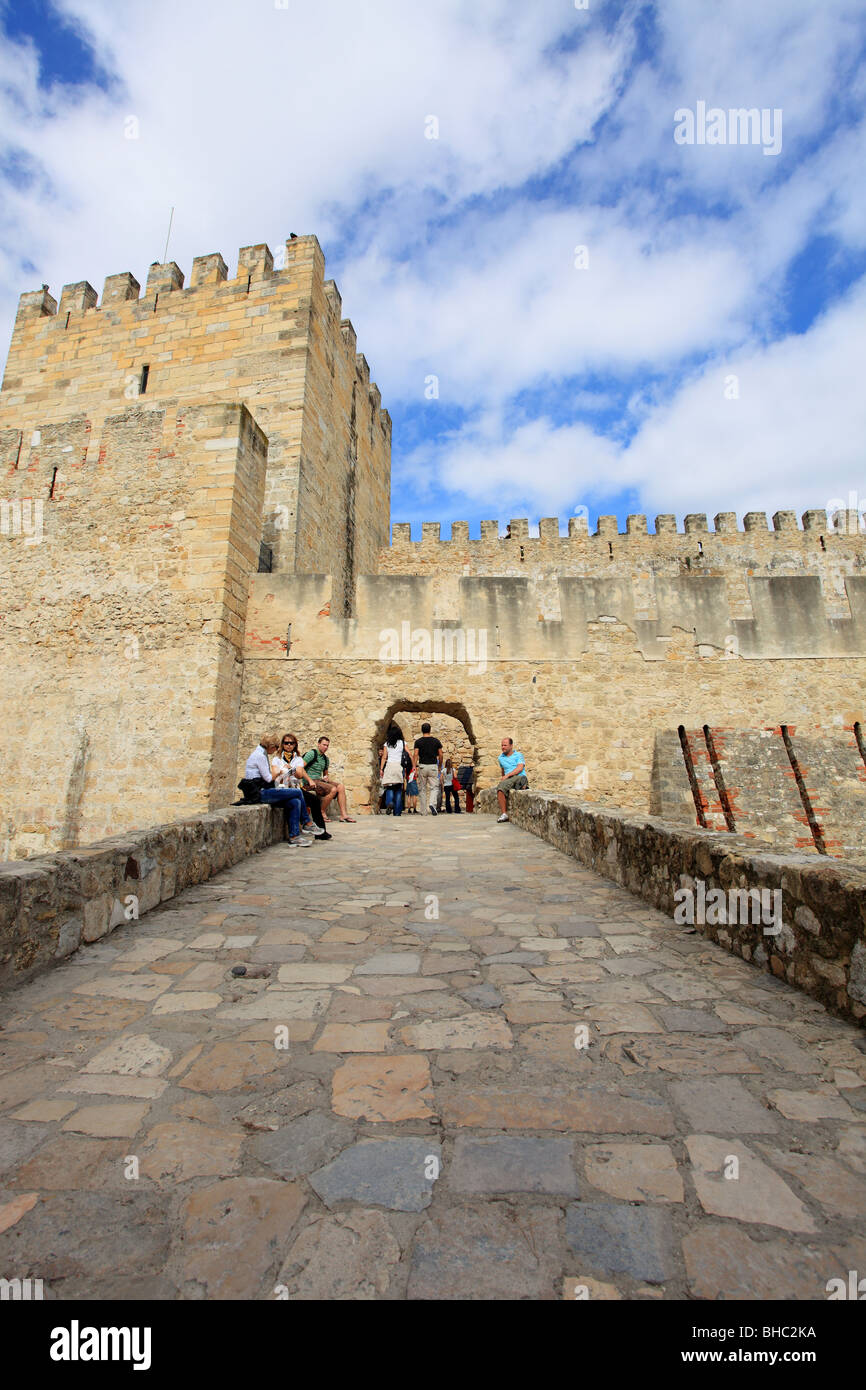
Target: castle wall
(144, 654)
(832, 553)
(271, 340)
(586, 726)
(587, 694)
(487, 617)
(345, 480)
(123, 584)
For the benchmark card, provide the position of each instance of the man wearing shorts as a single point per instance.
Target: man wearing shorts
(513, 775)
(317, 763)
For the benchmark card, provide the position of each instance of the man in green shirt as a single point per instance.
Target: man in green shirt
(317, 763)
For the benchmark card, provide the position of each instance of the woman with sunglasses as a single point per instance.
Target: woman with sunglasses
(290, 754)
(265, 766)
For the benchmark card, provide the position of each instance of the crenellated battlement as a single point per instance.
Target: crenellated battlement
(842, 523)
(828, 547)
(269, 334)
(80, 307)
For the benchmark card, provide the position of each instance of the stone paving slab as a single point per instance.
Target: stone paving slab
(546, 1085)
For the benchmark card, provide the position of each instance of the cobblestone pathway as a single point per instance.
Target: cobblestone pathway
(431, 1130)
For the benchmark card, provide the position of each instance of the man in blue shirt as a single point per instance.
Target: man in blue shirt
(513, 775)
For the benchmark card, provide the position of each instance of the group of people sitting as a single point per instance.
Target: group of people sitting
(276, 772)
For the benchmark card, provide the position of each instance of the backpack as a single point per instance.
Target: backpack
(250, 788)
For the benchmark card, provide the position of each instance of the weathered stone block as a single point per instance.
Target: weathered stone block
(614, 1238)
(69, 937)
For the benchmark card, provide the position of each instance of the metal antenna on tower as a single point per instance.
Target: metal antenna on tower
(168, 234)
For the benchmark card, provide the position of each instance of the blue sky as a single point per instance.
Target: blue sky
(702, 352)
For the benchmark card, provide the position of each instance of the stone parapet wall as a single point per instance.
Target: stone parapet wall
(552, 534)
(50, 905)
(560, 617)
(821, 944)
(830, 548)
(837, 518)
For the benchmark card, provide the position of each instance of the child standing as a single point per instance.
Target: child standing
(450, 787)
(412, 794)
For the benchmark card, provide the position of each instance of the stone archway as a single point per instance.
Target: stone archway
(450, 722)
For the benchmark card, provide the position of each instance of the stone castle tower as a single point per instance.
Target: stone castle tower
(164, 446)
(195, 546)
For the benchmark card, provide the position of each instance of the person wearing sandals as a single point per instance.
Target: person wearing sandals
(391, 769)
(290, 754)
(317, 763)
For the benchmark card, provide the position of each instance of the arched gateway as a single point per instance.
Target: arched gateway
(450, 722)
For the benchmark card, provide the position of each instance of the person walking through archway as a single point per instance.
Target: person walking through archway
(391, 769)
(411, 789)
(427, 761)
(466, 776)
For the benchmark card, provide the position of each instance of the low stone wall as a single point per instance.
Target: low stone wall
(49, 906)
(817, 942)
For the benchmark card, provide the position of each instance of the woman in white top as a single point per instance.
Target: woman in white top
(257, 763)
(294, 764)
(264, 763)
(391, 769)
(282, 771)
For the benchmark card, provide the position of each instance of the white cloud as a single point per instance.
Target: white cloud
(534, 469)
(791, 439)
(495, 315)
(257, 121)
(786, 54)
